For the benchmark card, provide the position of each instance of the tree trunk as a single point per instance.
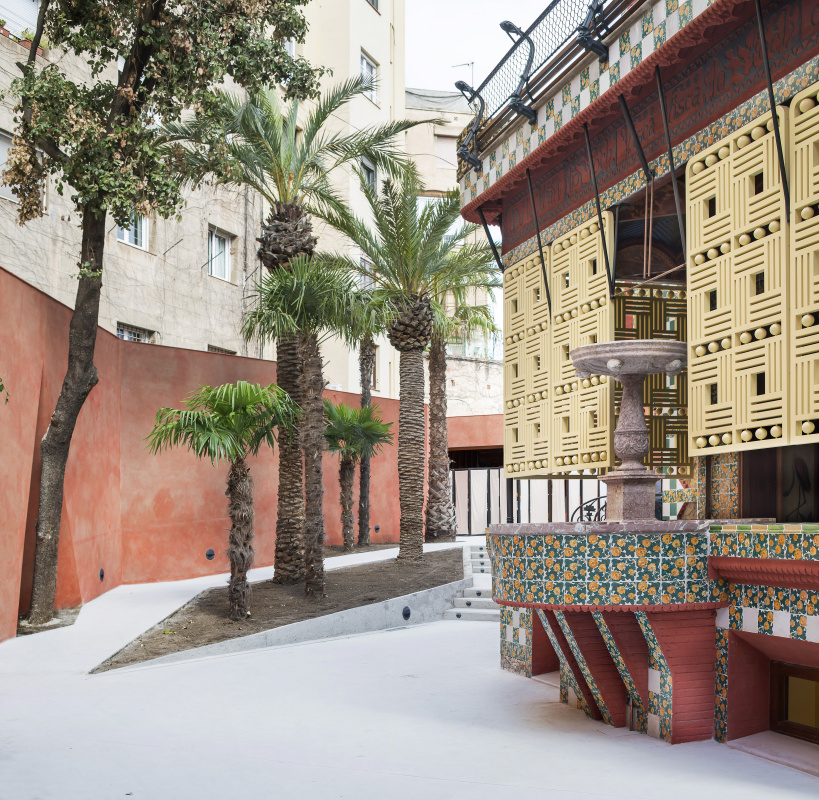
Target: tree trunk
(411, 455)
(240, 542)
(80, 378)
(440, 511)
(313, 445)
(289, 554)
(346, 478)
(366, 360)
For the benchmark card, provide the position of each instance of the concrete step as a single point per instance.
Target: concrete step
(477, 591)
(472, 614)
(476, 602)
(486, 569)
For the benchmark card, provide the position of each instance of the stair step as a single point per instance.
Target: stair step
(478, 592)
(472, 614)
(476, 602)
(487, 570)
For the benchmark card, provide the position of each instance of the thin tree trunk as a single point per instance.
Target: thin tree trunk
(346, 478)
(411, 455)
(313, 444)
(80, 378)
(240, 542)
(440, 511)
(289, 554)
(366, 360)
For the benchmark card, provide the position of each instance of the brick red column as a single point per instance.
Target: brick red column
(688, 644)
(598, 660)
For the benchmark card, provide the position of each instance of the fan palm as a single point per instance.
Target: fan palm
(306, 305)
(229, 422)
(258, 141)
(353, 434)
(455, 317)
(412, 257)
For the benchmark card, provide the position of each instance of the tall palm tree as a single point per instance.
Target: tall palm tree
(290, 164)
(229, 422)
(352, 433)
(307, 305)
(456, 316)
(412, 256)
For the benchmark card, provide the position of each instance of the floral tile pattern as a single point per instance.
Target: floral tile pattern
(641, 718)
(567, 678)
(584, 667)
(721, 688)
(516, 640)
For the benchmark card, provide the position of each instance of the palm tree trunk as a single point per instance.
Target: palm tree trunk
(440, 511)
(313, 444)
(240, 542)
(80, 378)
(411, 456)
(366, 360)
(289, 554)
(346, 478)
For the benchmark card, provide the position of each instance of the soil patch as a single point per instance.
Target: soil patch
(204, 619)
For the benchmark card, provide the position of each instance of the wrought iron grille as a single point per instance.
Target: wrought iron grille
(561, 21)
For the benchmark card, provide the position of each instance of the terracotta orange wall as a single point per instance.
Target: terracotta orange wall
(475, 432)
(136, 516)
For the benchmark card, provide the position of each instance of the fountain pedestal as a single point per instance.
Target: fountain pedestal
(630, 488)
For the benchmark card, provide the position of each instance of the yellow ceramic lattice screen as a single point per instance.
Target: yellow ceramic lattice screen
(804, 267)
(738, 292)
(554, 422)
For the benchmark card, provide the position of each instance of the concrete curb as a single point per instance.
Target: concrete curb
(425, 606)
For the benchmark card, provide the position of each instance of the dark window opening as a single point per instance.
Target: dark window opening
(594, 266)
(759, 282)
(795, 700)
(759, 183)
(476, 459)
(714, 392)
(712, 300)
(760, 383)
(712, 207)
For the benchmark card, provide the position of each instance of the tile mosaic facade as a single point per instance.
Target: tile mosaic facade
(567, 678)
(721, 687)
(640, 712)
(659, 694)
(784, 90)
(516, 640)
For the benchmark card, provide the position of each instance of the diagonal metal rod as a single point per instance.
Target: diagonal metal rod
(671, 167)
(635, 138)
(599, 209)
(772, 102)
(491, 240)
(539, 244)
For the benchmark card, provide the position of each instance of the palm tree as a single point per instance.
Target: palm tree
(412, 257)
(352, 433)
(290, 165)
(306, 305)
(229, 422)
(455, 316)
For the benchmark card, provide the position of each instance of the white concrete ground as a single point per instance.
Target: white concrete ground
(423, 712)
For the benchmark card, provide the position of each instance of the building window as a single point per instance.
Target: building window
(20, 15)
(369, 72)
(212, 348)
(5, 146)
(133, 334)
(366, 281)
(368, 175)
(136, 234)
(374, 377)
(219, 255)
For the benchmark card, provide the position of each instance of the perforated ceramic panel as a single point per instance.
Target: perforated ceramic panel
(738, 319)
(554, 422)
(658, 311)
(804, 267)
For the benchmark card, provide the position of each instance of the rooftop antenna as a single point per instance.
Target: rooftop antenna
(471, 65)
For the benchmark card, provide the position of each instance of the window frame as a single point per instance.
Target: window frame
(125, 327)
(780, 672)
(144, 224)
(3, 188)
(213, 234)
(372, 95)
(368, 168)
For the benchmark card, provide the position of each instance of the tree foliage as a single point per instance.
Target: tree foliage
(353, 433)
(99, 136)
(225, 422)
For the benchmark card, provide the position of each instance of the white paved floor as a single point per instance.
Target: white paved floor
(423, 712)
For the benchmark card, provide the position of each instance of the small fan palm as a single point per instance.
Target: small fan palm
(455, 317)
(306, 305)
(353, 434)
(258, 141)
(412, 257)
(229, 422)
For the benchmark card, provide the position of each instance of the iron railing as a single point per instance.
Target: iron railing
(593, 510)
(561, 22)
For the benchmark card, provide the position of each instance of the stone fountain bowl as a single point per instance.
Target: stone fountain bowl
(630, 357)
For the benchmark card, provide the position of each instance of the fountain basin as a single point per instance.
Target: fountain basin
(630, 357)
